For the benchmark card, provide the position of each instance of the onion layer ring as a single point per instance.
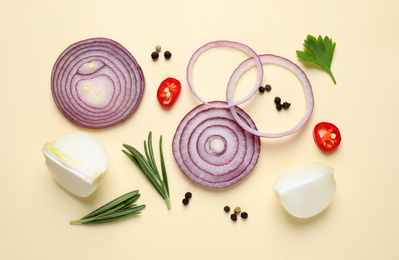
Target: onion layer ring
(289, 65)
(212, 149)
(233, 79)
(97, 83)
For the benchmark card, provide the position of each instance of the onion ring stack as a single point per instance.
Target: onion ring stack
(217, 144)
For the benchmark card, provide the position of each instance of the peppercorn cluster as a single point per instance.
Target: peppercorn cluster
(279, 106)
(237, 212)
(277, 100)
(155, 54)
(187, 198)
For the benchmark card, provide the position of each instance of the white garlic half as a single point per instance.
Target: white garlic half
(306, 190)
(77, 161)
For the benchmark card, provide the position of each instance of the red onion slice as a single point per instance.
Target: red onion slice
(236, 45)
(97, 83)
(289, 65)
(212, 149)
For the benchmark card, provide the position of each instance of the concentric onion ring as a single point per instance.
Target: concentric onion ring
(97, 83)
(212, 149)
(289, 65)
(236, 45)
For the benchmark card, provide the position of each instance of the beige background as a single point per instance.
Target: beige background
(361, 223)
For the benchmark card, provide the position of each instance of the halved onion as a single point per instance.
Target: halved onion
(256, 60)
(212, 149)
(289, 65)
(97, 83)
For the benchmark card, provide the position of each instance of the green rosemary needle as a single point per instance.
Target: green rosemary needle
(147, 165)
(119, 208)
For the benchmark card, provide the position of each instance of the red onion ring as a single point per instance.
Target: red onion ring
(289, 65)
(236, 45)
(212, 149)
(97, 83)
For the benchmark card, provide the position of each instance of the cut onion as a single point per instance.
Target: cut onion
(97, 83)
(256, 60)
(212, 149)
(289, 65)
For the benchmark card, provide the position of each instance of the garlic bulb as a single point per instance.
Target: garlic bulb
(306, 190)
(77, 161)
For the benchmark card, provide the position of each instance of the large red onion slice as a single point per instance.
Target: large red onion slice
(97, 83)
(289, 65)
(235, 45)
(212, 149)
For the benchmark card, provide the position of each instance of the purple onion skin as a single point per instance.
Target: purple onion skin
(116, 71)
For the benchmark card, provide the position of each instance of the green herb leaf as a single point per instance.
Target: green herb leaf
(147, 165)
(318, 51)
(113, 203)
(116, 209)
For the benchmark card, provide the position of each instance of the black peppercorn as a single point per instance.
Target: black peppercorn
(286, 105)
(279, 106)
(277, 100)
(244, 215)
(154, 55)
(233, 217)
(185, 201)
(262, 89)
(167, 54)
(226, 208)
(188, 195)
(268, 87)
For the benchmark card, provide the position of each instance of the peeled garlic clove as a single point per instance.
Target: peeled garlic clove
(77, 161)
(306, 190)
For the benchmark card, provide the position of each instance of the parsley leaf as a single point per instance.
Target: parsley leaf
(319, 51)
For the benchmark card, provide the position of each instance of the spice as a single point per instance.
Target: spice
(167, 54)
(154, 55)
(237, 210)
(268, 87)
(286, 105)
(244, 215)
(279, 106)
(277, 100)
(187, 198)
(262, 89)
(158, 48)
(233, 217)
(226, 208)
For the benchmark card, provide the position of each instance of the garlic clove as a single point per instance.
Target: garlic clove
(77, 161)
(306, 190)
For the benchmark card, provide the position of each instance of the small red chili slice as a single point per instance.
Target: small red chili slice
(168, 92)
(326, 136)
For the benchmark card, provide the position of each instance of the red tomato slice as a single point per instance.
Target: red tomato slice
(326, 136)
(168, 92)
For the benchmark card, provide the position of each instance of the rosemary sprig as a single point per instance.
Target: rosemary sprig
(119, 208)
(147, 165)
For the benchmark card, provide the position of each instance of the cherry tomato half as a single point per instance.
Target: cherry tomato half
(168, 92)
(326, 136)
